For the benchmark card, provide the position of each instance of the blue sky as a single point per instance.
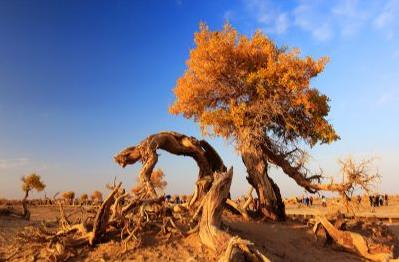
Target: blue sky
(80, 80)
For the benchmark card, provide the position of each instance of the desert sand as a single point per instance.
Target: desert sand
(279, 241)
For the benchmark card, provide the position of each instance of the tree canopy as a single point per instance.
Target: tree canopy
(84, 197)
(157, 179)
(70, 195)
(97, 196)
(249, 88)
(32, 181)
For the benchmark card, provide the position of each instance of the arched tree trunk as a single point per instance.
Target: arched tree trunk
(271, 204)
(203, 153)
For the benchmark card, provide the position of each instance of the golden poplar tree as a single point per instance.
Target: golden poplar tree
(258, 94)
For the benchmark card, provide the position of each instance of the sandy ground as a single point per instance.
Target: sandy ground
(286, 241)
(389, 214)
(362, 210)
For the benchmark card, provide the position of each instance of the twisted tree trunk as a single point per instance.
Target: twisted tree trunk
(26, 212)
(203, 153)
(271, 204)
(210, 225)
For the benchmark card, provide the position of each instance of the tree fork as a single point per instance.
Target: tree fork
(271, 204)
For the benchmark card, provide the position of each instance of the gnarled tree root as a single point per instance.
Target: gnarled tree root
(210, 231)
(350, 241)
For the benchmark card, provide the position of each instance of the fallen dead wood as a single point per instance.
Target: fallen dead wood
(354, 242)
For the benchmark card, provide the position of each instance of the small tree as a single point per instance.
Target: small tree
(157, 179)
(357, 177)
(97, 196)
(68, 197)
(30, 182)
(84, 198)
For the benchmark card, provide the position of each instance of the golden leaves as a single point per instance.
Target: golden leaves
(233, 82)
(32, 181)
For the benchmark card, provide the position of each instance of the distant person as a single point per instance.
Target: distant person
(386, 199)
(359, 199)
(177, 200)
(376, 200)
(323, 201)
(371, 199)
(167, 198)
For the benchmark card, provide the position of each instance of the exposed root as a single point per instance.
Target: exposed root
(239, 249)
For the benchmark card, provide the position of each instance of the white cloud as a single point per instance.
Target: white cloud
(282, 23)
(324, 20)
(386, 19)
(323, 33)
(228, 15)
(307, 18)
(269, 16)
(388, 97)
(387, 16)
(13, 163)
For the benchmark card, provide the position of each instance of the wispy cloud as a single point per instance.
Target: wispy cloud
(387, 18)
(228, 15)
(269, 15)
(388, 97)
(324, 20)
(307, 18)
(13, 163)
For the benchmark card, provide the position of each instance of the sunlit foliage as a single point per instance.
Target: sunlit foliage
(69, 196)
(84, 198)
(157, 179)
(247, 88)
(97, 196)
(32, 181)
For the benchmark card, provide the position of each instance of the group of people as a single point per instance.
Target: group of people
(307, 201)
(378, 200)
(176, 199)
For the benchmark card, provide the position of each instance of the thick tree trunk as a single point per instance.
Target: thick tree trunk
(270, 203)
(210, 226)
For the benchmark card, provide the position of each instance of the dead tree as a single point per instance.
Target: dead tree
(205, 156)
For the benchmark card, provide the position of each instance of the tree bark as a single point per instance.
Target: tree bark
(203, 153)
(210, 226)
(271, 204)
(26, 212)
